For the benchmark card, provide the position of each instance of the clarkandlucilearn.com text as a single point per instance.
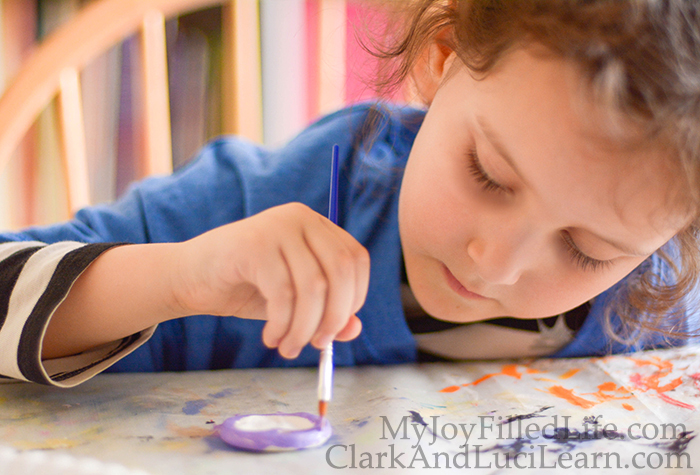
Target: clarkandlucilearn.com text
(480, 445)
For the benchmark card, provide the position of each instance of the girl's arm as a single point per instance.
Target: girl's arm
(35, 279)
(287, 265)
(231, 181)
(124, 291)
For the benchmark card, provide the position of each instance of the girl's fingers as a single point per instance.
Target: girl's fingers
(361, 264)
(312, 275)
(351, 331)
(346, 266)
(361, 280)
(277, 287)
(311, 289)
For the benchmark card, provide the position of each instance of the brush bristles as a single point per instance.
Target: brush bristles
(322, 408)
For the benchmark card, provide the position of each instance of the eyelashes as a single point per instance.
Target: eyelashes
(480, 175)
(488, 184)
(579, 258)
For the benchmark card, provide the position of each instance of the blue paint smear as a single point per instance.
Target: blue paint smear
(360, 422)
(224, 393)
(432, 406)
(193, 407)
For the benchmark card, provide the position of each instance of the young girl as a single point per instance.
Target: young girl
(548, 193)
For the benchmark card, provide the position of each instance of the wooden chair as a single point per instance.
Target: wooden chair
(53, 72)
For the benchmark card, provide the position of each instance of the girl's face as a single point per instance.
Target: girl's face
(518, 200)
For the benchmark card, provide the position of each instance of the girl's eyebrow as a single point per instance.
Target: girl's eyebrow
(497, 144)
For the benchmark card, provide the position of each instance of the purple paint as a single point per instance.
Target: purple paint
(275, 432)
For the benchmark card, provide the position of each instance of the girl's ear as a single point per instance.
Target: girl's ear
(430, 69)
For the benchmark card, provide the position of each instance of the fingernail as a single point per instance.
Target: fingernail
(323, 341)
(289, 353)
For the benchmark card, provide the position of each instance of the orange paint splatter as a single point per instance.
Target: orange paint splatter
(568, 395)
(672, 385)
(511, 370)
(646, 383)
(482, 379)
(507, 370)
(628, 407)
(532, 371)
(610, 387)
(548, 380)
(653, 361)
(449, 389)
(569, 373)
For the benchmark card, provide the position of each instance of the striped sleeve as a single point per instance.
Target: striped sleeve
(34, 280)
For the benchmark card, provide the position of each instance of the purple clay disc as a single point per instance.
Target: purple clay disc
(275, 432)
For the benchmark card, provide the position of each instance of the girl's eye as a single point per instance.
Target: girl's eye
(480, 175)
(580, 259)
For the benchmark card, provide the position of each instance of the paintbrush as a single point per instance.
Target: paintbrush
(325, 365)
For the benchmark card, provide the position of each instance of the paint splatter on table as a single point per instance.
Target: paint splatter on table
(635, 413)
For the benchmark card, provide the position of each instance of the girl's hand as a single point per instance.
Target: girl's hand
(288, 265)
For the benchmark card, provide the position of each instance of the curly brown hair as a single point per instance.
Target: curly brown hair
(641, 57)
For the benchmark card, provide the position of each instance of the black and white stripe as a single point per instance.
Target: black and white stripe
(34, 280)
(495, 338)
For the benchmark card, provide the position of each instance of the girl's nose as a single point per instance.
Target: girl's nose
(499, 259)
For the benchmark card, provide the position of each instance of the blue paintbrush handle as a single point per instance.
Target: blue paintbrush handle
(333, 196)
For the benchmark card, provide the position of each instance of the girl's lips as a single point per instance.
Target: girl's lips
(457, 286)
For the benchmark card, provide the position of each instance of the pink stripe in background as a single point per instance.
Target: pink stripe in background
(312, 48)
(361, 67)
